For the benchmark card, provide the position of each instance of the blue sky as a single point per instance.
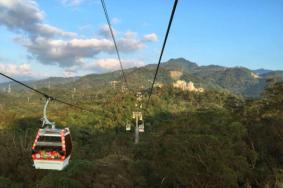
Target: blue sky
(66, 37)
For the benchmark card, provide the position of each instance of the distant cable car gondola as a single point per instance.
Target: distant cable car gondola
(52, 147)
(128, 126)
(141, 126)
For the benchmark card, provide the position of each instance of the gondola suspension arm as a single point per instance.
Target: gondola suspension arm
(45, 120)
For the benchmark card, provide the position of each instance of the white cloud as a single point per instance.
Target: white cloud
(47, 30)
(72, 2)
(113, 64)
(20, 72)
(53, 46)
(152, 37)
(104, 31)
(67, 53)
(130, 42)
(25, 16)
(68, 73)
(14, 69)
(102, 65)
(91, 43)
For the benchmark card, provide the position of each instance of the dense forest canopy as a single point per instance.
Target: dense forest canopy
(191, 139)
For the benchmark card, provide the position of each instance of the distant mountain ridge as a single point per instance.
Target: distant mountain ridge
(239, 80)
(51, 81)
(262, 71)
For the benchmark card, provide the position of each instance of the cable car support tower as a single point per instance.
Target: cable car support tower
(137, 115)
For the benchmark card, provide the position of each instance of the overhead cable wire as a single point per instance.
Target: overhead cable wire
(35, 90)
(114, 41)
(162, 50)
(46, 95)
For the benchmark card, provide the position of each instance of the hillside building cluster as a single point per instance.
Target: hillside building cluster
(187, 86)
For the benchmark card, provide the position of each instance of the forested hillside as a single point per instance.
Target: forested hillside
(209, 139)
(238, 80)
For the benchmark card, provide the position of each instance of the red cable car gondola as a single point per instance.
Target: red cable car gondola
(52, 147)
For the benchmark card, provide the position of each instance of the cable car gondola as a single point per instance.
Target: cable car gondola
(141, 126)
(128, 127)
(52, 146)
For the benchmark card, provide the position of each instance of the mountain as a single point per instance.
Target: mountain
(238, 80)
(53, 81)
(277, 75)
(262, 71)
(180, 64)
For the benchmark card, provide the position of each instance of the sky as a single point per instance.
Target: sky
(66, 38)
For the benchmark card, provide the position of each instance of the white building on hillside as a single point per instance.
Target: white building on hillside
(183, 85)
